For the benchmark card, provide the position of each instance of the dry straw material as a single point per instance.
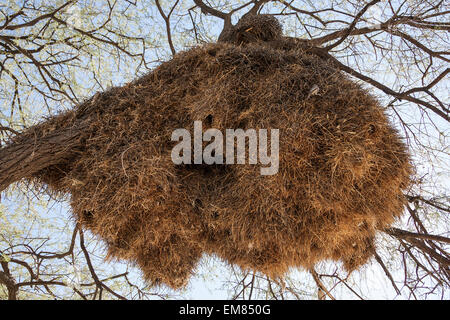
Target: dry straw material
(342, 172)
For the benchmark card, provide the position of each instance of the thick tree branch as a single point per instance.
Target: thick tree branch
(398, 233)
(20, 160)
(226, 17)
(7, 279)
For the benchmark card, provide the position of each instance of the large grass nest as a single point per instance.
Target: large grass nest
(342, 172)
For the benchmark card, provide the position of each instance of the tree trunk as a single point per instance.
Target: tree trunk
(30, 154)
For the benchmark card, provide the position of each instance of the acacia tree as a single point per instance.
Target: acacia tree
(54, 55)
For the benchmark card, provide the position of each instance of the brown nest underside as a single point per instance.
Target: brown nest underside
(342, 172)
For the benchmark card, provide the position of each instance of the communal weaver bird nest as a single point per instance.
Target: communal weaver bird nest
(342, 166)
